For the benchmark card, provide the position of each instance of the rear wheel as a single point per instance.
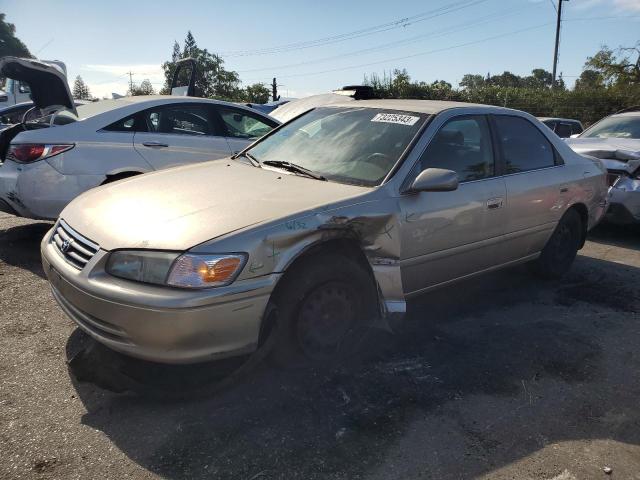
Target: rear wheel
(323, 302)
(561, 249)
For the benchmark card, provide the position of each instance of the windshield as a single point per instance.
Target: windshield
(347, 145)
(615, 127)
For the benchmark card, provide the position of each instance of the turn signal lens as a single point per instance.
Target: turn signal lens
(30, 152)
(198, 271)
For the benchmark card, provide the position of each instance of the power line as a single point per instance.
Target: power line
(428, 52)
(398, 23)
(385, 46)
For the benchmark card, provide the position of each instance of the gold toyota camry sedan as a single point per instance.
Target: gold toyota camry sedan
(326, 224)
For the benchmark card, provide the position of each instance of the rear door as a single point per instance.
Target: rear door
(447, 235)
(537, 184)
(242, 127)
(178, 134)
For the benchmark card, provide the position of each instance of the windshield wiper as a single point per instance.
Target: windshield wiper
(292, 167)
(254, 161)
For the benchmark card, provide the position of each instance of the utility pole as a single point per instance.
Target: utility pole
(274, 90)
(555, 53)
(130, 73)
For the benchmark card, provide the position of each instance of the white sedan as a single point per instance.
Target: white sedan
(49, 162)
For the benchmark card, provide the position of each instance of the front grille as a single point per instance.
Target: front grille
(75, 249)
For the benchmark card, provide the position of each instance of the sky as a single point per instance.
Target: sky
(315, 47)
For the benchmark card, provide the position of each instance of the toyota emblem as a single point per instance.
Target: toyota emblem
(65, 245)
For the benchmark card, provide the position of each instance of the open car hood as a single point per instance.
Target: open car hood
(49, 87)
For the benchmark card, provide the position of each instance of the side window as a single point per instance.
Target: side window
(563, 130)
(23, 87)
(126, 124)
(524, 147)
(463, 145)
(180, 119)
(240, 124)
(575, 128)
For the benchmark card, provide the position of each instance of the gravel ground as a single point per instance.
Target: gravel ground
(499, 377)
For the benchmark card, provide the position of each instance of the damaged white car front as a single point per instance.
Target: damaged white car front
(615, 140)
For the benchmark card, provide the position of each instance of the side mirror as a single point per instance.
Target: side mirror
(435, 180)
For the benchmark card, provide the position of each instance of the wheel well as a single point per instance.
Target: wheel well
(584, 216)
(119, 176)
(341, 246)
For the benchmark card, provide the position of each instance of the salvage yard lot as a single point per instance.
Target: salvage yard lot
(502, 376)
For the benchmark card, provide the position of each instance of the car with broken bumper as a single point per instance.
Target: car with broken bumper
(320, 229)
(615, 140)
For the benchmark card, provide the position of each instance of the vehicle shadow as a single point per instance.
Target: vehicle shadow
(616, 235)
(20, 246)
(483, 337)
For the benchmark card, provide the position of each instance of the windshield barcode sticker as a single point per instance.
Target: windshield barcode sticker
(395, 118)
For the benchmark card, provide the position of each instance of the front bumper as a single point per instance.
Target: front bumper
(156, 323)
(624, 202)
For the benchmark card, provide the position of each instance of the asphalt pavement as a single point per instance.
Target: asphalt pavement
(502, 376)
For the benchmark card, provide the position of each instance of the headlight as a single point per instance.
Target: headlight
(200, 271)
(168, 268)
(142, 266)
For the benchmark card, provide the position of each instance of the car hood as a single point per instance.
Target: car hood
(49, 87)
(615, 153)
(179, 208)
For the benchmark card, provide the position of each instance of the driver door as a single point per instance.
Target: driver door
(180, 134)
(448, 235)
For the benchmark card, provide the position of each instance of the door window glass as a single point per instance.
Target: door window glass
(180, 120)
(524, 147)
(241, 124)
(464, 146)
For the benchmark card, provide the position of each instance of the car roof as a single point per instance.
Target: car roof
(430, 107)
(559, 119)
(626, 114)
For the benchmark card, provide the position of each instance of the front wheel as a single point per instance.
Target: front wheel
(323, 302)
(561, 249)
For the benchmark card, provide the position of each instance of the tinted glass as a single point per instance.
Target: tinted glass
(524, 147)
(563, 130)
(615, 127)
(350, 145)
(464, 146)
(241, 124)
(180, 119)
(125, 125)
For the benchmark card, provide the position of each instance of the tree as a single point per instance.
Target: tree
(80, 89)
(620, 67)
(539, 78)
(256, 93)
(145, 88)
(212, 80)
(507, 79)
(472, 82)
(589, 80)
(9, 43)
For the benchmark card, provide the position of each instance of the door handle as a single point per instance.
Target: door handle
(155, 144)
(494, 203)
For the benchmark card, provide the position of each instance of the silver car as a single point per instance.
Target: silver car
(50, 161)
(323, 226)
(615, 140)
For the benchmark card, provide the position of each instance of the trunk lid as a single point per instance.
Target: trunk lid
(48, 83)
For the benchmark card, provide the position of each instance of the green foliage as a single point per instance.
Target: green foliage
(610, 81)
(9, 43)
(80, 89)
(256, 93)
(145, 88)
(212, 80)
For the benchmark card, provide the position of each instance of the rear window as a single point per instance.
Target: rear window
(524, 147)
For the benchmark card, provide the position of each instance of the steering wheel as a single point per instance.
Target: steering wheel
(381, 160)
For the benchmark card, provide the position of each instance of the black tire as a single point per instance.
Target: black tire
(562, 247)
(322, 304)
